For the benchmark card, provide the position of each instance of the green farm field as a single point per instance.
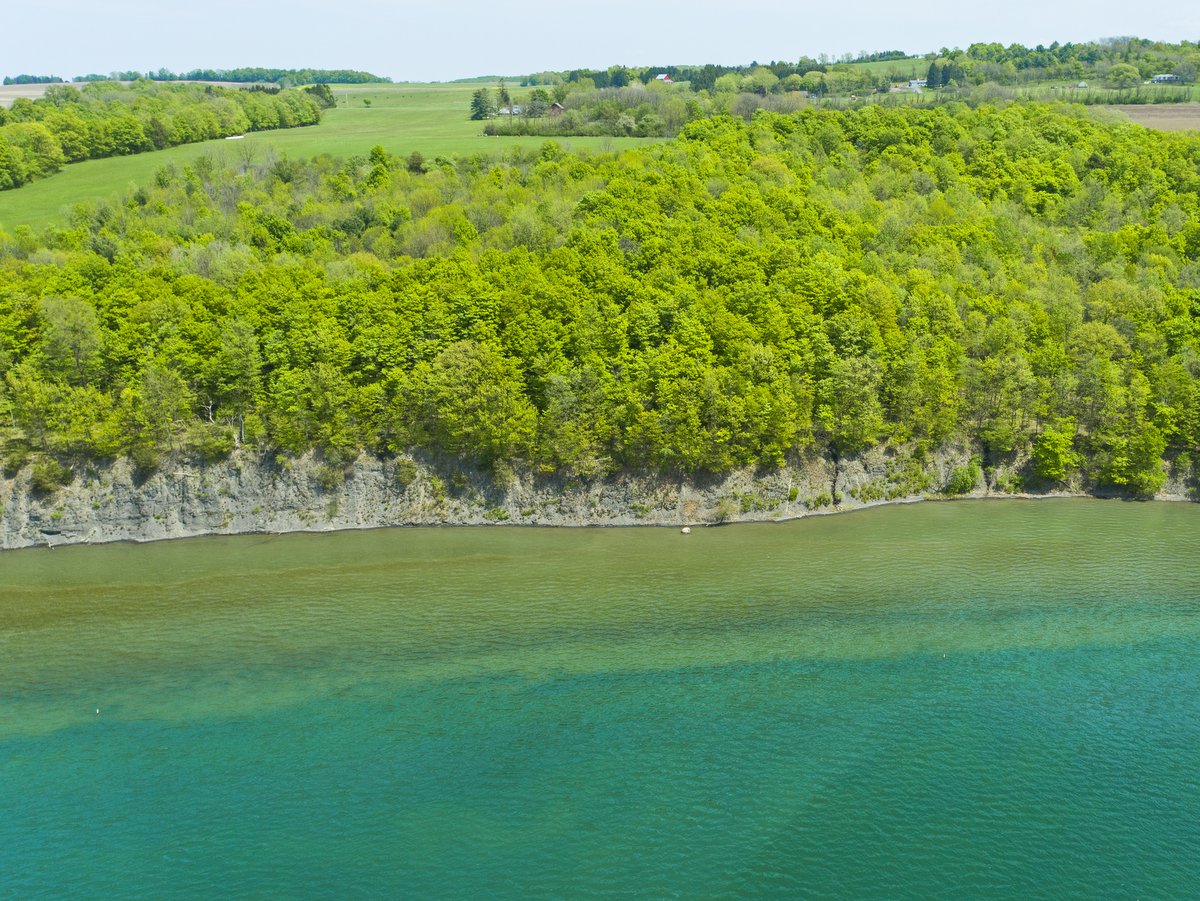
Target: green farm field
(430, 118)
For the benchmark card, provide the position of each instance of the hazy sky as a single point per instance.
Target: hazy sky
(460, 38)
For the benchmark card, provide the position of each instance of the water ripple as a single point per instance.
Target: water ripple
(941, 701)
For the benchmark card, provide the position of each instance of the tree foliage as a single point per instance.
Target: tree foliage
(482, 106)
(70, 124)
(1022, 280)
(246, 75)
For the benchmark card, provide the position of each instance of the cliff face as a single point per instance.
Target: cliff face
(249, 493)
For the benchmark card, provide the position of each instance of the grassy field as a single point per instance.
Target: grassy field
(402, 118)
(1165, 117)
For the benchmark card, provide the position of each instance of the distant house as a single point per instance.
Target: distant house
(664, 77)
(915, 84)
(556, 109)
(1164, 79)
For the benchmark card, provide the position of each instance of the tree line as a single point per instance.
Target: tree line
(626, 101)
(1025, 280)
(69, 124)
(697, 77)
(658, 109)
(642, 111)
(1111, 62)
(1108, 60)
(31, 79)
(246, 74)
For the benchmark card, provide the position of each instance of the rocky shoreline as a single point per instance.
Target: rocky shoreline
(248, 493)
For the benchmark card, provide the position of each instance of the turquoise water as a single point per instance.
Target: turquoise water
(968, 700)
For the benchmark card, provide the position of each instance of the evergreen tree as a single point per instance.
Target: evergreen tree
(481, 104)
(322, 94)
(953, 73)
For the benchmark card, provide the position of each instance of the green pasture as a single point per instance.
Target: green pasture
(430, 118)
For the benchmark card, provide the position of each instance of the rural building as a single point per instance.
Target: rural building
(1164, 79)
(556, 109)
(664, 77)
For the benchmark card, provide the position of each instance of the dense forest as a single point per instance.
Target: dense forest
(1025, 280)
(68, 124)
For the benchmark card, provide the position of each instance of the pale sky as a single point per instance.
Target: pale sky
(461, 38)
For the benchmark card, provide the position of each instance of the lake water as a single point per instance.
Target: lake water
(967, 700)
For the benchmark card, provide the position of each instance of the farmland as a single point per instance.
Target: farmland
(11, 92)
(1165, 117)
(430, 118)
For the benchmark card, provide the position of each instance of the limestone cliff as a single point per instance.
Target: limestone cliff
(250, 493)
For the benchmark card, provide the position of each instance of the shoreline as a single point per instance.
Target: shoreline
(247, 495)
(49, 544)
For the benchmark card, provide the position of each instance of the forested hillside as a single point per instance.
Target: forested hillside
(657, 101)
(37, 137)
(1024, 279)
(1112, 60)
(1012, 64)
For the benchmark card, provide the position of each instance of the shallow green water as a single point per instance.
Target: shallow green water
(969, 700)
